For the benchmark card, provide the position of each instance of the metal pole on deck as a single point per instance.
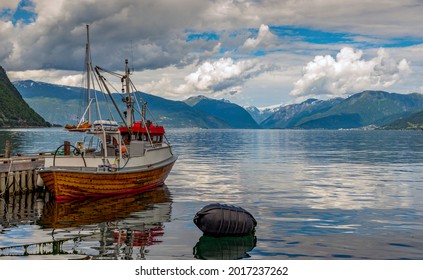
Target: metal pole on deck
(88, 62)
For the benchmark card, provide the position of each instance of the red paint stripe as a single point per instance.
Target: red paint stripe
(63, 198)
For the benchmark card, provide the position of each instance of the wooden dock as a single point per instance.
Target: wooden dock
(18, 174)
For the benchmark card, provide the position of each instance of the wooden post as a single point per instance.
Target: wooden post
(30, 179)
(67, 148)
(10, 182)
(8, 149)
(16, 183)
(23, 187)
(2, 182)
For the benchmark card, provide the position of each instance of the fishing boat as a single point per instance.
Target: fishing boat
(113, 158)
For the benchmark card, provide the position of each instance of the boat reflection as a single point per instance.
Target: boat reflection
(225, 247)
(113, 228)
(94, 211)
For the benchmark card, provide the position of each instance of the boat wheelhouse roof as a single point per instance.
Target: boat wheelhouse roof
(138, 127)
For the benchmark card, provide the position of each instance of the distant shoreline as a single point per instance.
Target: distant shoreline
(12, 127)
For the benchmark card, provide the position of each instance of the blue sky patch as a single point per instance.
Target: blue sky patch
(24, 13)
(260, 53)
(5, 13)
(403, 42)
(206, 36)
(315, 36)
(312, 35)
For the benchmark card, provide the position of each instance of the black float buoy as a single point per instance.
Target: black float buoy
(224, 220)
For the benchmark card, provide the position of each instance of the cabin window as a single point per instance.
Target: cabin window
(157, 138)
(154, 137)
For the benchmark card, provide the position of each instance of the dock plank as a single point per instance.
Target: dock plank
(18, 174)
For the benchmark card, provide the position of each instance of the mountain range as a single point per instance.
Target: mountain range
(234, 115)
(64, 104)
(364, 109)
(60, 105)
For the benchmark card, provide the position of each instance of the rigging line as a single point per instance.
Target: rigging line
(111, 98)
(120, 76)
(110, 72)
(136, 99)
(102, 90)
(116, 92)
(147, 129)
(144, 121)
(133, 86)
(83, 116)
(93, 76)
(110, 85)
(93, 86)
(108, 106)
(135, 91)
(138, 110)
(97, 106)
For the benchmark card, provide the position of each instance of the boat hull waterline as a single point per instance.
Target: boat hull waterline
(70, 184)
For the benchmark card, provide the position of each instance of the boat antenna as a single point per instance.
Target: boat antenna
(132, 58)
(128, 99)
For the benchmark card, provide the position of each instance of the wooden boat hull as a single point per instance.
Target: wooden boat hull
(68, 184)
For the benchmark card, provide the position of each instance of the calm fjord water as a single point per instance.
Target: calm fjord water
(316, 194)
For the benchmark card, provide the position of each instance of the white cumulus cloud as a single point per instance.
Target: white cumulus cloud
(264, 38)
(9, 4)
(349, 73)
(224, 75)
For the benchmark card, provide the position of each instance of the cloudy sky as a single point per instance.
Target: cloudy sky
(251, 52)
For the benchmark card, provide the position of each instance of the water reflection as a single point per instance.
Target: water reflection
(108, 209)
(225, 247)
(107, 228)
(315, 195)
(316, 169)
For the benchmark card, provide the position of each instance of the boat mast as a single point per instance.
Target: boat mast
(88, 63)
(128, 99)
